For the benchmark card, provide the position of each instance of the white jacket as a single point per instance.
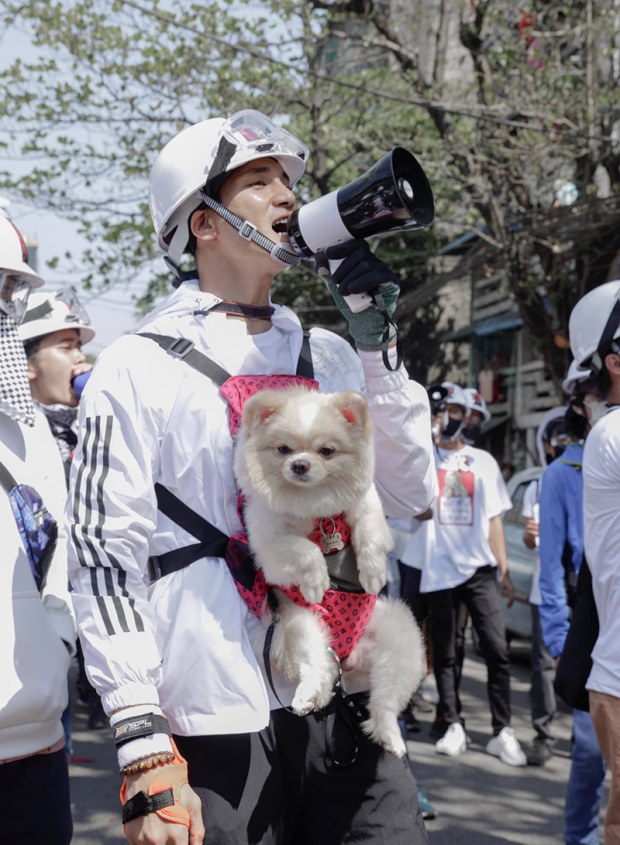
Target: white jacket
(33, 658)
(147, 417)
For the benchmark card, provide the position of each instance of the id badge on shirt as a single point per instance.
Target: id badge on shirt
(456, 496)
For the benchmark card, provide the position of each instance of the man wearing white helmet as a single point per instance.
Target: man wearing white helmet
(38, 630)
(53, 331)
(153, 475)
(594, 329)
(478, 415)
(459, 552)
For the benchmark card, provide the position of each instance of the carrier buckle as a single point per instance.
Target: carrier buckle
(181, 347)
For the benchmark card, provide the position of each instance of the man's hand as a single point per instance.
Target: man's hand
(151, 829)
(530, 533)
(507, 588)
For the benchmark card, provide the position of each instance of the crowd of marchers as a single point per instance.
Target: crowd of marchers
(121, 521)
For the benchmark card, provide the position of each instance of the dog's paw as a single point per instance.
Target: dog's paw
(372, 578)
(384, 730)
(314, 584)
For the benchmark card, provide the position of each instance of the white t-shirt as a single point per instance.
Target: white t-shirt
(531, 510)
(455, 543)
(601, 483)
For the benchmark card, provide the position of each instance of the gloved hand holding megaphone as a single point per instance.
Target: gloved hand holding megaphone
(392, 196)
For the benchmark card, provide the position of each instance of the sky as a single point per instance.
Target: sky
(112, 314)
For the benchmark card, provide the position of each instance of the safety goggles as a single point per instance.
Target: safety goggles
(250, 130)
(76, 310)
(14, 293)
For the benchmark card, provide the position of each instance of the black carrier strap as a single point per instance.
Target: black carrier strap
(212, 541)
(6, 479)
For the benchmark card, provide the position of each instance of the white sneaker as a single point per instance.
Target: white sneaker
(453, 742)
(506, 746)
(428, 689)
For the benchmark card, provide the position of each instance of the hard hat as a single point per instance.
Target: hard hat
(16, 278)
(200, 156)
(53, 311)
(552, 418)
(594, 324)
(475, 402)
(456, 395)
(575, 375)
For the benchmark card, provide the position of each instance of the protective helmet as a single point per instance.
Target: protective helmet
(575, 375)
(54, 311)
(16, 278)
(456, 395)
(192, 166)
(475, 402)
(551, 427)
(594, 325)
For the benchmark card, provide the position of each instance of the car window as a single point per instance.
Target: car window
(515, 516)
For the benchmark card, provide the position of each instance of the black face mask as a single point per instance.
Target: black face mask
(451, 429)
(576, 424)
(471, 434)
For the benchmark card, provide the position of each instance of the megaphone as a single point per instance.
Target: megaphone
(394, 195)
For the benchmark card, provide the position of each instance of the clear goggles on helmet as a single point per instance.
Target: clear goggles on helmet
(251, 130)
(77, 312)
(14, 293)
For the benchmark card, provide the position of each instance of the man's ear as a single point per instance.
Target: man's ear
(203, 225)
(32, 370)
(612, 362)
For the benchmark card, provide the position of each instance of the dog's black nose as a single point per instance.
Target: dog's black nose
(300, 467)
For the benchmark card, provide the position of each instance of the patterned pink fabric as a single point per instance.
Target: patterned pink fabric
(346, 614)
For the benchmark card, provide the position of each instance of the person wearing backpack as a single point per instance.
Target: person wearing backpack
(165, 626)
(38, 630)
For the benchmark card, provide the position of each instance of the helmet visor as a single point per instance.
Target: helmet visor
(14, 293)
(252, 131)
(77, 312)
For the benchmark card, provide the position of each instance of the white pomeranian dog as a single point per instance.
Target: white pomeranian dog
(301, 455)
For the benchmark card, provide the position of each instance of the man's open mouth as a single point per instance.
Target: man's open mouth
(281, 226)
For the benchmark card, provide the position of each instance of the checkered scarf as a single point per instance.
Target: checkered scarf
(15, 396)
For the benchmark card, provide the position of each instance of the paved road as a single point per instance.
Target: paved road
(480, 800)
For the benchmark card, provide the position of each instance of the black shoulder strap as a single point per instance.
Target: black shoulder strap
(6, 479)
(305, 367)
(184, 349)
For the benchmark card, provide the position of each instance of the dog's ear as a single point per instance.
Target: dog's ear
(261, 406)
(352, 405)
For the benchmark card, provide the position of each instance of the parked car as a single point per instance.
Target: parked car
(521, 560)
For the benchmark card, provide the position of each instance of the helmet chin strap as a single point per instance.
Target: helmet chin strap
(282, 254)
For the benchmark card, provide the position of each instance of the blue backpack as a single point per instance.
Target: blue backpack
(37, 527)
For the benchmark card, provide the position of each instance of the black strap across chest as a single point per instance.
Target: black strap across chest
(211, 541)
(6, 479)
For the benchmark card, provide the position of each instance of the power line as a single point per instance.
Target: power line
(324, 77)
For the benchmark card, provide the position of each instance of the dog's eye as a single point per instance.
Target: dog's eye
(326, 452)
(284, 450)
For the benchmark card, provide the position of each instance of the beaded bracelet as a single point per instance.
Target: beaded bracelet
(146, 763)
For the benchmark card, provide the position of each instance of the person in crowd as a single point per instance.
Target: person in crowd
(155, 431)
(464, 548)
(53, 331)
(594, 330)
(550, 440)
(561, 556)
(38, 630)
(478, 415)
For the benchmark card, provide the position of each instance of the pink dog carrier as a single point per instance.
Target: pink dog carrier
(345, 608)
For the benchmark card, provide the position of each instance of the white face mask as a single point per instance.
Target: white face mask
(596, 410)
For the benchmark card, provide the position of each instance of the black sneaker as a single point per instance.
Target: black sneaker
(539, 752)
(411, 723)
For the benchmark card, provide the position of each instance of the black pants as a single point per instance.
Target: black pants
(542, 694)
(479, 595)
(410, 592)
(280, 786)
(35, 807)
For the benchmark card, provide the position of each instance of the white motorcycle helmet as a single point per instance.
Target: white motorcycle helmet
(475, 402)
(575, 375)
(594, 325)
(54, 311)
(192, 166)
(17, 279)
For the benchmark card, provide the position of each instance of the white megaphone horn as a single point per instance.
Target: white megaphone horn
(394, 195)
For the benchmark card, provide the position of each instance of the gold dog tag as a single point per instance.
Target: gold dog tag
(331, 542)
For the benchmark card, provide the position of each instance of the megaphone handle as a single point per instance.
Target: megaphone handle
(356, 301)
